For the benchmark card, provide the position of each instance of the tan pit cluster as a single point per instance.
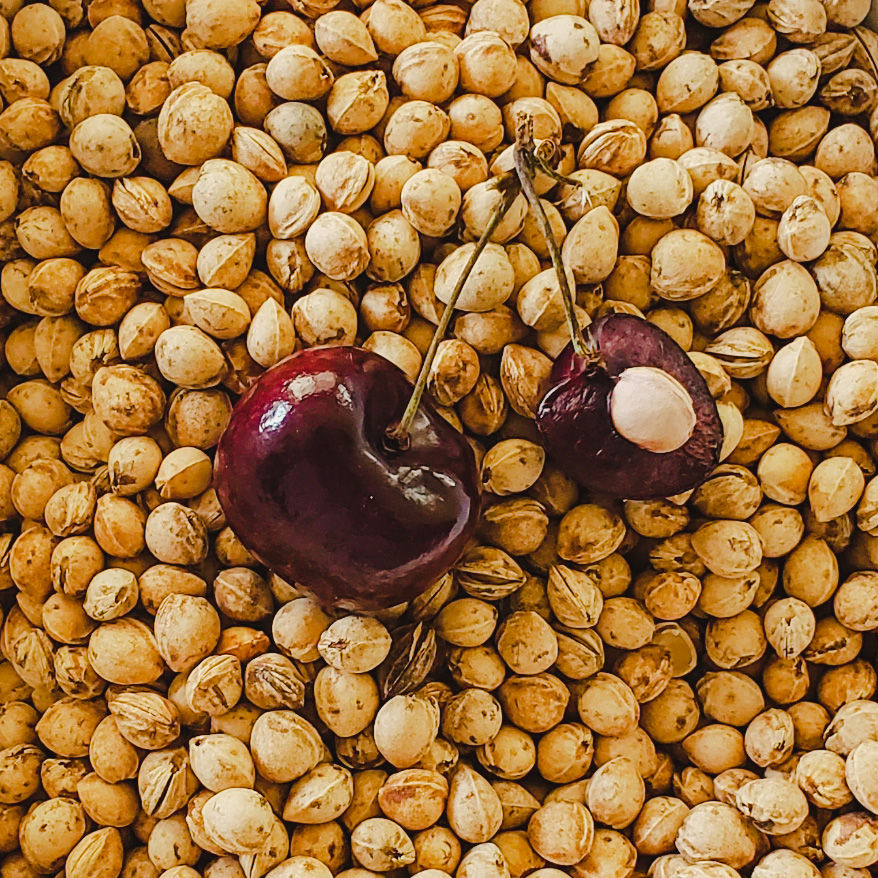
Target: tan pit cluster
(192, 190)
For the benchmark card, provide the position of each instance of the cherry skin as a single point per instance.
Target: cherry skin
(313, 487)
(576, 425)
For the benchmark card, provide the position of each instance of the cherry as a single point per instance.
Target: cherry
(315, 485)
(662, 402)
(628, 413)
(336, 474)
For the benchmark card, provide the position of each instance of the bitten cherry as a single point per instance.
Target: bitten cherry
(632, 418)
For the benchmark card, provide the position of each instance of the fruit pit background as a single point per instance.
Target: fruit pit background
(190, 190)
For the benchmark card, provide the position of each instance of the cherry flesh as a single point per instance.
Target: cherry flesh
(577, 428)
(314, 487)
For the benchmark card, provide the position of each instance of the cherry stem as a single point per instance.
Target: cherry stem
(399, 433)
(544, 167)
(524, 166)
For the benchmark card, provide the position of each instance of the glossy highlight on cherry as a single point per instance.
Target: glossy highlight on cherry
(315, 487)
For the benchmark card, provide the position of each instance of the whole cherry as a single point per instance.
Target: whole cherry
(316, 485)
(338, 476)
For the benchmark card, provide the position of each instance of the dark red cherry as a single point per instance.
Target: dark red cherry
(579, 425)
(313, 487)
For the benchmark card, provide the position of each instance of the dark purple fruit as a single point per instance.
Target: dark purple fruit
(664, 404)
(315, 489)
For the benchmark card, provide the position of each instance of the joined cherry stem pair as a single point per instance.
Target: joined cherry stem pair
(528, 161)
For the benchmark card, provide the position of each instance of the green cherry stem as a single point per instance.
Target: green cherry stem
(400, 432)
